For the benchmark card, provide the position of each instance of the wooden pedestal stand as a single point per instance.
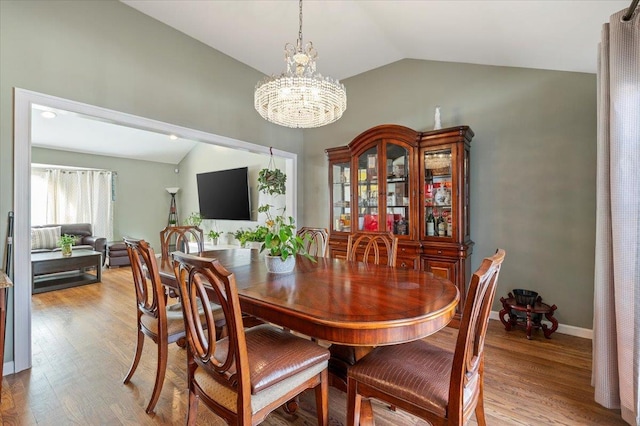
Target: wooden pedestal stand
(533, 315)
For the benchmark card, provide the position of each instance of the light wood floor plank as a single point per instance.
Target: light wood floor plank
(83, 343)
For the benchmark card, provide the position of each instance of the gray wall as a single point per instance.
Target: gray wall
(205, 158)
(107, 54)
(141, 207)
(533, 164)
(533, 156)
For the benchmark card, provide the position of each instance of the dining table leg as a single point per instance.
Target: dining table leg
(342, 357)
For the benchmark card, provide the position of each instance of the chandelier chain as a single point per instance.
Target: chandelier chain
(300, 30)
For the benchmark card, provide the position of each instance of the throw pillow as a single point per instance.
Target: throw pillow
(45, 238)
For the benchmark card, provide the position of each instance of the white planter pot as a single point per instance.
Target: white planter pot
(276, 265)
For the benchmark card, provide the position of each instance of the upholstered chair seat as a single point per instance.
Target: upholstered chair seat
(175, 319)
(291, 361)
(401, 371)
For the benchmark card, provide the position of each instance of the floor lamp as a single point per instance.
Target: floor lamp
(173, 210)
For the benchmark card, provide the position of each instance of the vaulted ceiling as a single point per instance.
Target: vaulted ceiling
(352, 37)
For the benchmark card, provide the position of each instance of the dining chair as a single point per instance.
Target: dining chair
(161, 323)
(178, 238)
(373, 247)
(440, 386)
(252, 371)
(154, 319)
(316, 240)
(380, 248)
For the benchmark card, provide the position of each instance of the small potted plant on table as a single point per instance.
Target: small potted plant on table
(251, 238)
(65, 243)
(214, 235)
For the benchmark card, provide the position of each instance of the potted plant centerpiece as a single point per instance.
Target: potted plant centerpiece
(65, 243)
(281, 242)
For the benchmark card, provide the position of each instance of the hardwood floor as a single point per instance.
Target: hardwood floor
(83, 343)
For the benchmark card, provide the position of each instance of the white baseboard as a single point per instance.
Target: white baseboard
(8, 368)
(564, 329)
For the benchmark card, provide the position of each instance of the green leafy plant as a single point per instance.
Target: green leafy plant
(257, 234)
(281, 238)
(66, 240)
(194, 219)
(272, 181)
(214, 234)
(66, 243)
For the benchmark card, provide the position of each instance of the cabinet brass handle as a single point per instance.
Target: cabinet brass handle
(439, 251)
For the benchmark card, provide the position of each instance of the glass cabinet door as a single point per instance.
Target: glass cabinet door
(438, 200)
(383, 189)
(397, 189)
(368, 190)
(341, 196)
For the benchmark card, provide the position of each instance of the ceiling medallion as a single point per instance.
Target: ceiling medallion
(300, 97)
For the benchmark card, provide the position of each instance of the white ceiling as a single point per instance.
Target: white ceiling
(352, 37)
(80, 133)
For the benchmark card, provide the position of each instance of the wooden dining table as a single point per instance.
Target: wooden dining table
(352, 305)
(349, 303)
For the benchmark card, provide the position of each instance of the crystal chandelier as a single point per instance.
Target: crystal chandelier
(300, 97)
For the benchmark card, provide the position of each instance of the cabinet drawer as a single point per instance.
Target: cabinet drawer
(408, 262)
(440, 251)
(408, 250)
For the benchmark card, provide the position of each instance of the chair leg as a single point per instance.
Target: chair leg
(160, 371)
(322, 399)
(353, 403)
(480, 404)
(136, 357)
(192, 412)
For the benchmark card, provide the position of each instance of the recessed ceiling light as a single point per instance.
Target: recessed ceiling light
(173, 137)
(48, 114)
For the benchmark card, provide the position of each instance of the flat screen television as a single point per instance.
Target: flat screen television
(224, 194)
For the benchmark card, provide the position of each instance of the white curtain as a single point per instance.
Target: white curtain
(616, 343)
(75, 196)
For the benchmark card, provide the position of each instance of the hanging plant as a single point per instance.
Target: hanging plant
(272, 181)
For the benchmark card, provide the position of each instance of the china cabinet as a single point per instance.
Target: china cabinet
(413, 184)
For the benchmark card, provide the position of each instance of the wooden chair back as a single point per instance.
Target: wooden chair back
(194, 273)
(468, 359)
(380, 248)
(146, 279)
(316, 240)
(179, 237)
